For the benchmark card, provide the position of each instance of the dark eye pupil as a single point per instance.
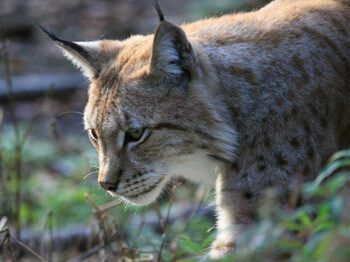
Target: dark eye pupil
(93, 134)
(134, 134)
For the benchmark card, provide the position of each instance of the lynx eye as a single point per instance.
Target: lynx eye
(93, 134)
(134, 134)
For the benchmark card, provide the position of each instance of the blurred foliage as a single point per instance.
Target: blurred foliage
(198, 9)
(319, 230)
(46, 171)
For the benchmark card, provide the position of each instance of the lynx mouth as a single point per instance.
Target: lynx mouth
(149, 189)
(145, 197)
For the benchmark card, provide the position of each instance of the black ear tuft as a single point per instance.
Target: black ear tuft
(48, 32)
(159, 11)
(82, 54)
(64, 43)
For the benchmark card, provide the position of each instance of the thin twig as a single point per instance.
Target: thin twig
(55, 134)
(18, 147)
(161, 221)
(171, 200)
(109, 205)
(194, 211)
(8, 77)
(2, 185)
(7, 238)
(100, 222)
(1, 118)
(28, 249)
(141, 225)
(85, 255)
(50, 226)
(3, 222)
(102, 216)
(48, 93)
(118, 230)
(47, 223)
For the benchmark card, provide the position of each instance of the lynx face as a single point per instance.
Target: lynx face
(144, 135)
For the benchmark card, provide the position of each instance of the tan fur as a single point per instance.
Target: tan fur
(253, 99)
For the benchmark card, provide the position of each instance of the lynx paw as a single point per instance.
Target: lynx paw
(222, 247)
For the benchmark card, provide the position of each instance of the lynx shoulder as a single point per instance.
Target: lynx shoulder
(245, 101)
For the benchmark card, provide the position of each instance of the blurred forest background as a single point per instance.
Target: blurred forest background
(51, 208)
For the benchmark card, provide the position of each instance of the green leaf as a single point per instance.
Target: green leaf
(305, 219)
(207, 241)
(329, 169)
(290, 244)
(335, 204)
(294, 226)
(340, 154)
(323, 212)
(190, 246)
(323, 226)
(188, 260)
(312, 189)
(338, 181)
(303, 209)
(313, 243)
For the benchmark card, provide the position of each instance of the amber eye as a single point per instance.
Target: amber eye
(93, 134)
(134, 134)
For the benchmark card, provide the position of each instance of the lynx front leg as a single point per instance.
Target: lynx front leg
(234, 213)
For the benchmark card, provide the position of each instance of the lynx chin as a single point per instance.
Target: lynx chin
(245, 102)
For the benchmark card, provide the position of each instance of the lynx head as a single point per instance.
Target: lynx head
(149, 114)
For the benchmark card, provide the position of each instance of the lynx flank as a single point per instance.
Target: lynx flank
(245, 101)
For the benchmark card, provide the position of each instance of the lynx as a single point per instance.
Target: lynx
(245, 101)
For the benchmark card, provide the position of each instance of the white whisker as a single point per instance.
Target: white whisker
(69, 112)
(89, 174)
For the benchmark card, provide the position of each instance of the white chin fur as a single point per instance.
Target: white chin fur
(197, 167)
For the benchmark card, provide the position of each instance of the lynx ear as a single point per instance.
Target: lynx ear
(87, 56)
(172, 53)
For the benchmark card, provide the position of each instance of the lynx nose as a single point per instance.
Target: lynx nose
(109, 186)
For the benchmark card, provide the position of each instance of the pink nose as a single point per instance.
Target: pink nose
(109, 186)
